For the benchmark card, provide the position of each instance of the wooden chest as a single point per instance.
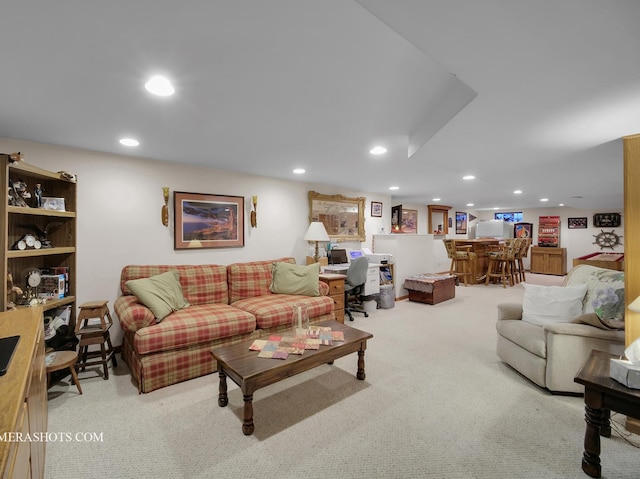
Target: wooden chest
(431, 289)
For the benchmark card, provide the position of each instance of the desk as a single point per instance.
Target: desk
(602, 394)
(372, 286)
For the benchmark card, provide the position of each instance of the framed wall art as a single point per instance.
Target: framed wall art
(461, 223)
(410, 221)
(577, 223)
(208, 221)
(376, 209)
(606, 220)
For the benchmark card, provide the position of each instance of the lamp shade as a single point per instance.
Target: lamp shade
(635, 305)
(316, 232)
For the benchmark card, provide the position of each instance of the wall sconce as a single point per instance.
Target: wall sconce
(165, 207)
(254, 212)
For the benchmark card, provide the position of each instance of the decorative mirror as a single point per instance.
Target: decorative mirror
(343, 217)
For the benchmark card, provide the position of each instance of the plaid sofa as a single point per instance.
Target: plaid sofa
(228, 304)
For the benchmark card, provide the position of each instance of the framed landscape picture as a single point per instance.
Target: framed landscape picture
(208, 221)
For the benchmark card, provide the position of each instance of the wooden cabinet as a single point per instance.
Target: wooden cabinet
(23, 401)
(336, 291)
(549, 260)
(59, 253)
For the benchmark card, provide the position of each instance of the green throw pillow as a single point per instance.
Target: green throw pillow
(295, 279)
(162, 293)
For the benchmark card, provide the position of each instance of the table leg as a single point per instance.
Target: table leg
(360, 374)
(223, 400)
(247, 426)
(591, 457)
(74, 376)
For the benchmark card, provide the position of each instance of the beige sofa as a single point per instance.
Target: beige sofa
(550, 355)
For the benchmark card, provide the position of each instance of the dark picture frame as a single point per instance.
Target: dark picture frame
(376, 209)
(577, 223)
(606, 220)
(207, 221)
(461, 223)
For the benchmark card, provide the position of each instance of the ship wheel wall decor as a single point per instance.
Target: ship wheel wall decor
(607, 239)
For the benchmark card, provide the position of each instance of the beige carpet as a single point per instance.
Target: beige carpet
(436, 403)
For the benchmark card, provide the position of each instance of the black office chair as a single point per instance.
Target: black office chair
(354, 286)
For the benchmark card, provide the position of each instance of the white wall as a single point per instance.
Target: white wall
(119, 220)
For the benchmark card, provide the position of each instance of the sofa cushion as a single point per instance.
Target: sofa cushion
(277, 309)
(605, 290)
(194, 325)
(526, 335)
(201, 284)
(295, 279)
(161, 293)
(251, 279)
(552, 304)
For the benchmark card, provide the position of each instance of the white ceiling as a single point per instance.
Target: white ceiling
(530, 95)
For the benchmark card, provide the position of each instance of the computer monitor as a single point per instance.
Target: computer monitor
(338, 256)
(355, 253)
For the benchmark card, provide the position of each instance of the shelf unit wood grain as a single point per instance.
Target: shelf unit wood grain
(18, 220)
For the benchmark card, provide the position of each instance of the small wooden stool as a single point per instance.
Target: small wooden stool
(59, 360)
(95, 334)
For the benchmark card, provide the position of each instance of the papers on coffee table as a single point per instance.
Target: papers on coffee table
(280, 346)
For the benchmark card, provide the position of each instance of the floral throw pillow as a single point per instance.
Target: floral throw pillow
(605, 290)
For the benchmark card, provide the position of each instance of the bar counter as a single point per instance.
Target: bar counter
(480, 247)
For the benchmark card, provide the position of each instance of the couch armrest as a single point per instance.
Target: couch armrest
(132, 314)
(323, 288)
(509, 311)
(584, 330)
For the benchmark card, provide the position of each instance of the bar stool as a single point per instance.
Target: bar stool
(501, 264)
(59, 360)
(95, 334)
(462, 260)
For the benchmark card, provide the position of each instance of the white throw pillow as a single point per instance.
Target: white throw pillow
(552, 304)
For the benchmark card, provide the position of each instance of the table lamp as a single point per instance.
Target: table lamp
(635, 305)
(316, 232)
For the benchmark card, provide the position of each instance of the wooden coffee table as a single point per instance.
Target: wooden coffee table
(251, 373)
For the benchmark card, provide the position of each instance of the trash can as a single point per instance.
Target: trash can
(387, 296)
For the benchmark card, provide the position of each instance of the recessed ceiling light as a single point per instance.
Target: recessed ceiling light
(517, 192)
(378, 150)
(560, 204)
(159, 85)
(470, 204)
(469, 177)
(129, 142)
(299, 171)
(496, 208)
(544, 199)
(435, 199)
(394, 187)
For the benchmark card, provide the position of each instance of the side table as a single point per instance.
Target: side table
(602, 394)
(336, 291)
